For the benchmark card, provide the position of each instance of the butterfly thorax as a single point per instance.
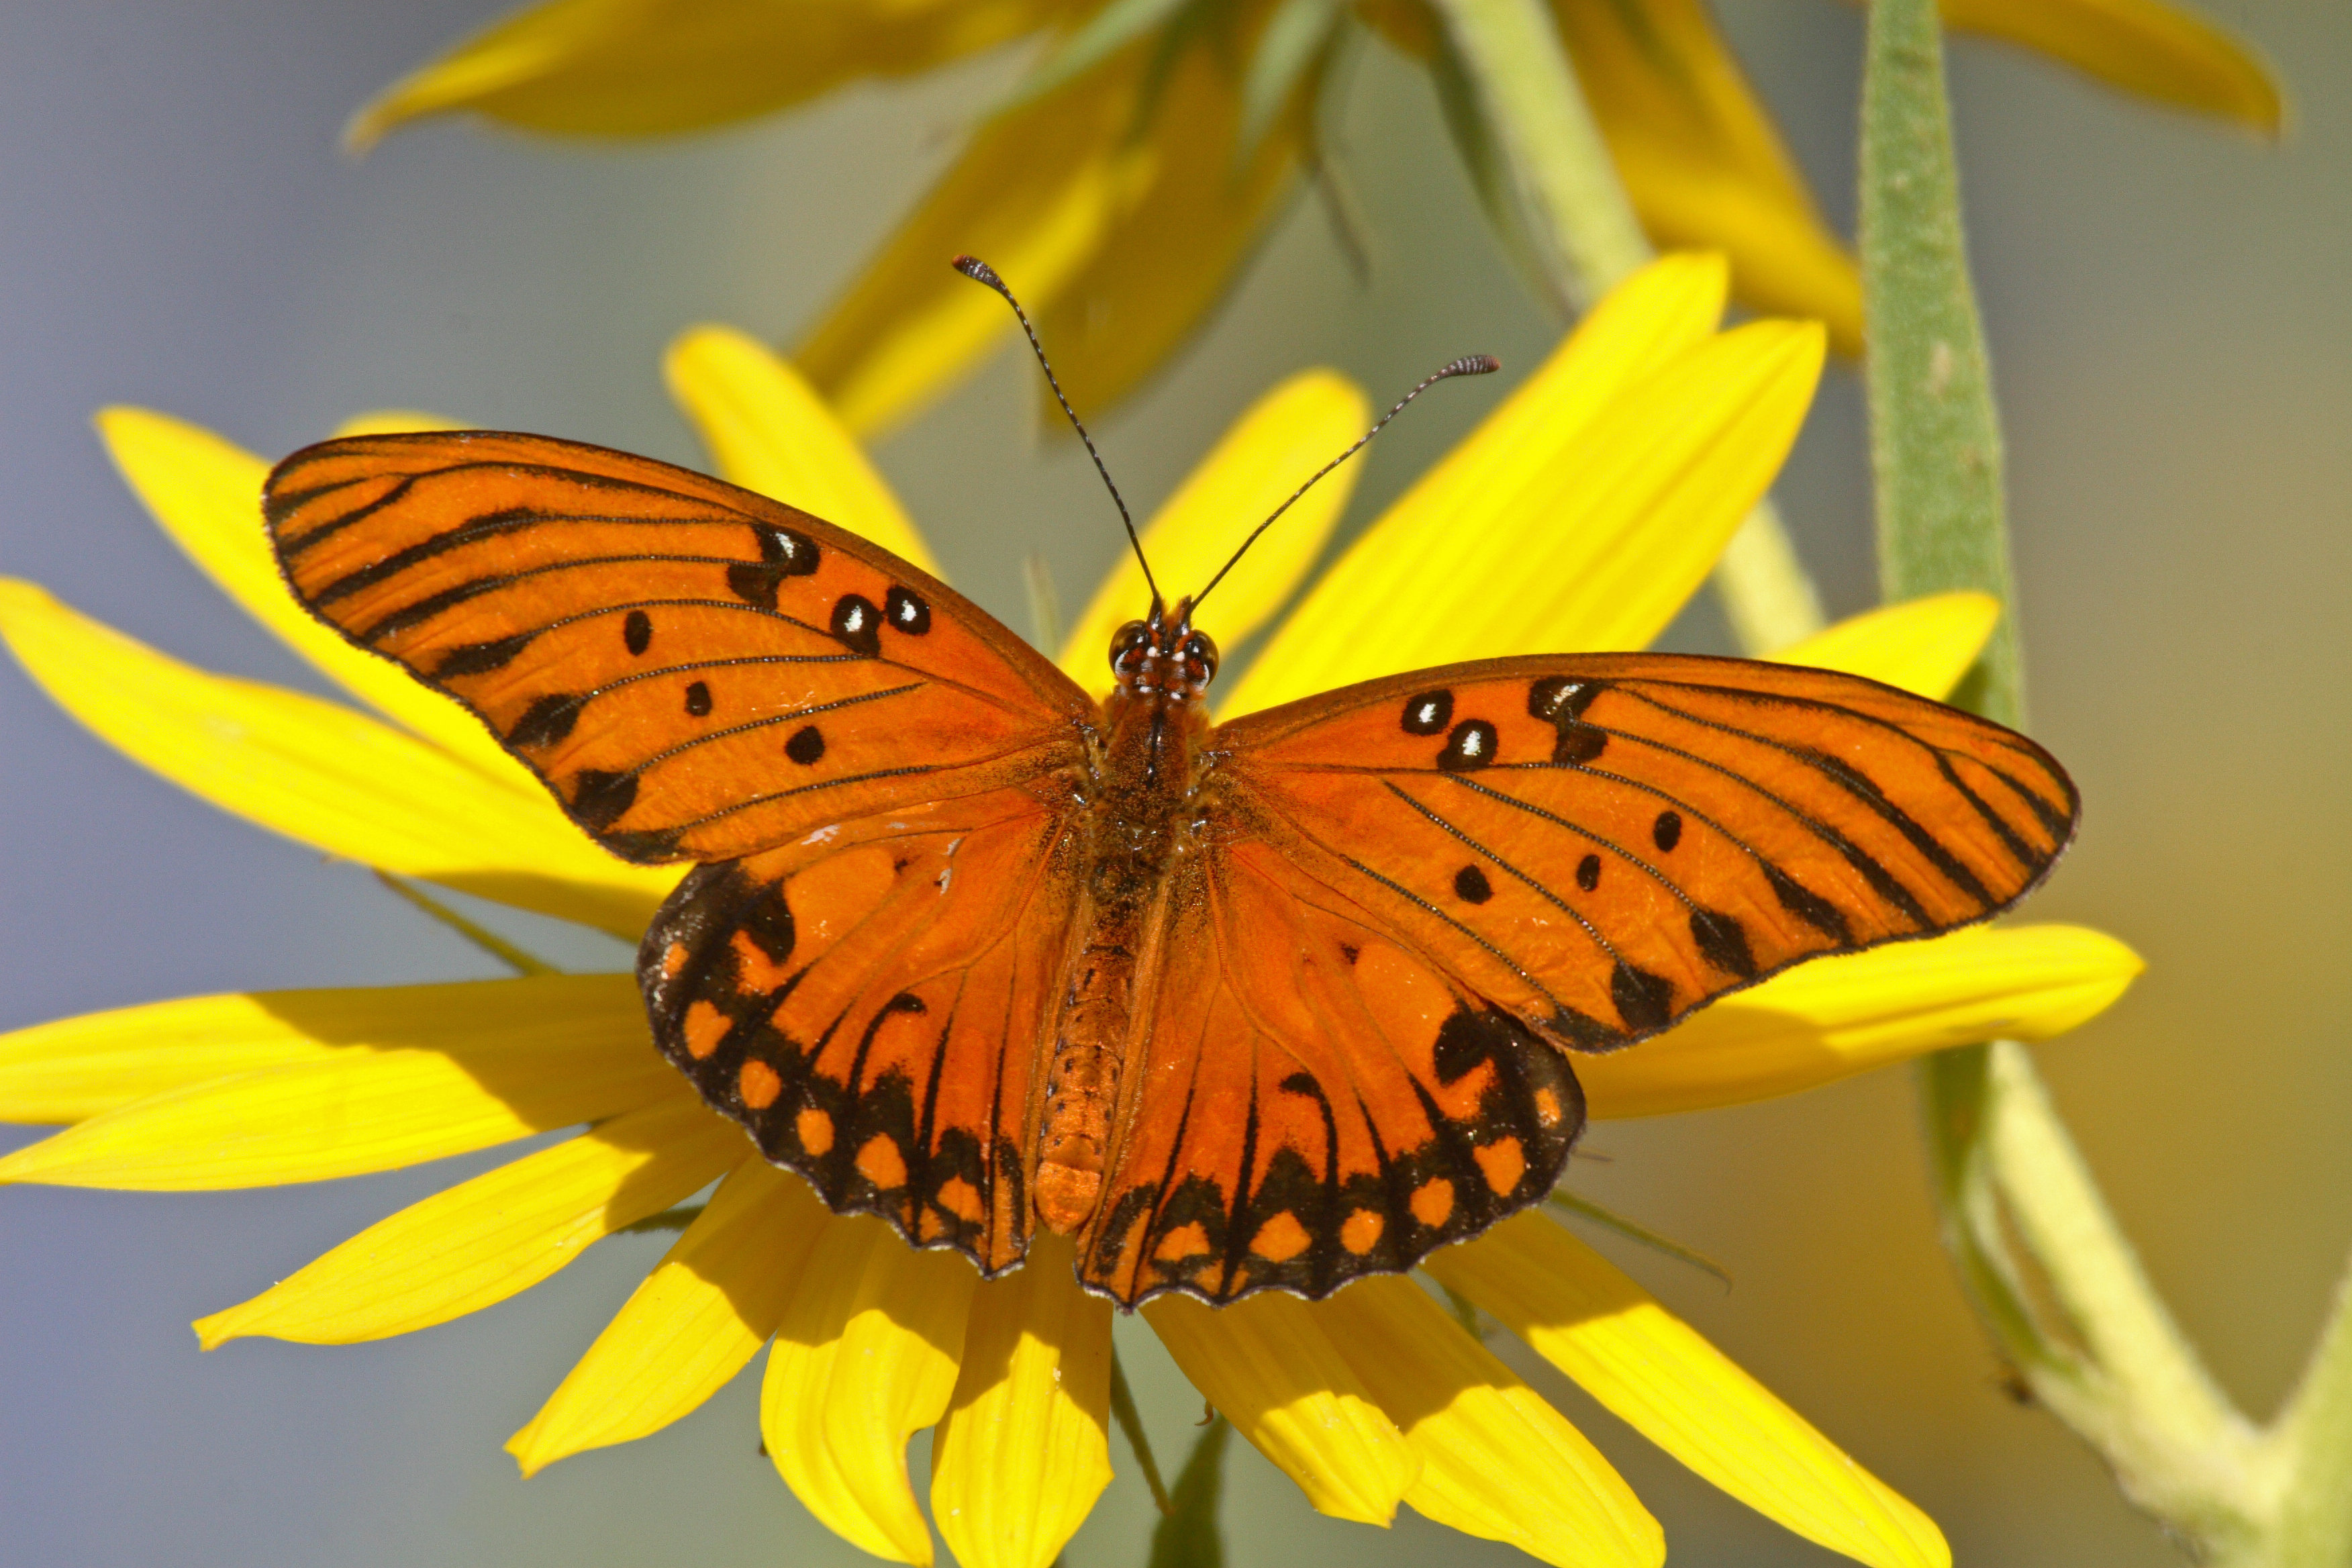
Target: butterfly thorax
(1141, 808)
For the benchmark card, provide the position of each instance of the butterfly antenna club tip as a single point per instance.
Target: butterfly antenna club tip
(980, 272)
(1469, 365)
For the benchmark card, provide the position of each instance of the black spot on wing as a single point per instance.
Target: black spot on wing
(482, 658)
(1644, 999)
(599, 799)
(1562, 699)
(1578, 743)
(1723, 941)
(858, 624)
(1808, 906)
(1428, 713)
(783, 553)
(1469, 746)
(907, 611)
(547, 721)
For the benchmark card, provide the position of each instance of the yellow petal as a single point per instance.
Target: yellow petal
(1665, 309)
(1925, 646)
(1593, 542)
(1193, 215)
(769, 431)
(484, 1240)
(2160, 51)
(1268, 453)
(77, 1067)
(1701, 160)
(1495, 1460)
(206, 494)
(702, 1313)
(1268, 1362)
(377, 1101)
(1033, 195)
(1024, 1449)
(865, 1355)
(325, 775)
(1582, 1315)
(596, 67)
(396, 422)
(1837, 1016)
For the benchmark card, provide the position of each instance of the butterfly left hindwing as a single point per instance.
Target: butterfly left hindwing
(1310, 1100)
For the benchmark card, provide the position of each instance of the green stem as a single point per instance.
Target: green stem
(2312, 1445)
(2067, 1301)
(1767, 596)
(1935, 443)
(2055, 1280)
(1547, 148)
(1537, 157)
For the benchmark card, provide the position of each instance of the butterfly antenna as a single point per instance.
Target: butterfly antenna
(980, 272)
(1469, 365)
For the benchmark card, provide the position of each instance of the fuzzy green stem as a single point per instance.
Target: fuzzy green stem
(2311, 1444)
(1536, 158)
(1546, 149)
(1935, 443)
(2057, 1284)
(1767, 596)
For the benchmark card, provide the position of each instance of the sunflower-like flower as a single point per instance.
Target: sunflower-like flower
(1154, 141)
(1578, 516)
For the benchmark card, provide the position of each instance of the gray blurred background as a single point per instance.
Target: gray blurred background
(2172, 339)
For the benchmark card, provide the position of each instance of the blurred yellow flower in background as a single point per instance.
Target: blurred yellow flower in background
(1614, 474)
(1154, 141)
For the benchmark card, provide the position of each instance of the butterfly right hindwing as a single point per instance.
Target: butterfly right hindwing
(869, 1003)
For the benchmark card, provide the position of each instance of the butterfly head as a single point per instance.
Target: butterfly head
(1164, 656)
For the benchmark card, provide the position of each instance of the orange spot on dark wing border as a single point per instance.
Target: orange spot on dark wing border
(1309, 1234)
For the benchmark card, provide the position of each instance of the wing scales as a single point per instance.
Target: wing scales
(1604, 843)
(696, 671)
(870, 1004)
(1309, 1102)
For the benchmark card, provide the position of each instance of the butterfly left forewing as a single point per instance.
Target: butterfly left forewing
(696, 671)
(1605, 842)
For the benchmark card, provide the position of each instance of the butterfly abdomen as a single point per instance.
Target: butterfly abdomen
(1138, 806)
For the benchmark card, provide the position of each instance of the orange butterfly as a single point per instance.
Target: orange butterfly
(1269, 1004)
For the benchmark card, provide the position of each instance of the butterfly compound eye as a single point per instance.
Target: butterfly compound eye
(1127, 645)
(1199, 658)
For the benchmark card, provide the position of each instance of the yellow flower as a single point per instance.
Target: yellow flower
(1158, 139)
(1614, 473)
